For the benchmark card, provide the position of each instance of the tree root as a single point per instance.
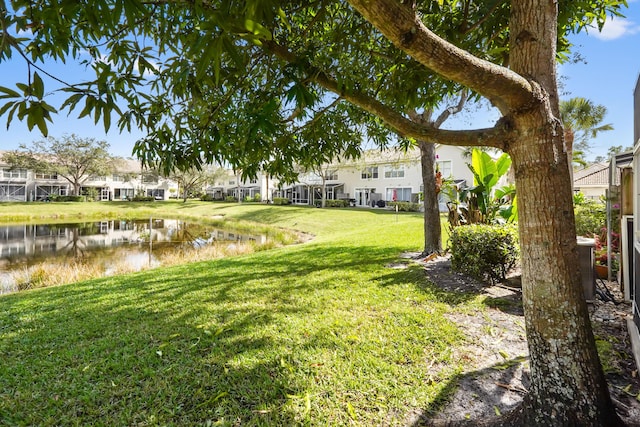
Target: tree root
(522, 416)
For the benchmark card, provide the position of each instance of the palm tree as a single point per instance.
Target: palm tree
(582, 120)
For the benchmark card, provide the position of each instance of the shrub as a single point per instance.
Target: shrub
(280, 201)
(67, 198)
(207, 198)
(330, 203)
(230, 199)
(257, 197)
(405, 206)
(591, 216)
(142, 199)
(485, 252)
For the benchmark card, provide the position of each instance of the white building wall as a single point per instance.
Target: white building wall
(228, 184)
(592, 192)
(406, 184)
(105, 185)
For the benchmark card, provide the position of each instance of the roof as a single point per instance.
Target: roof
(596, 174)
(388, 155)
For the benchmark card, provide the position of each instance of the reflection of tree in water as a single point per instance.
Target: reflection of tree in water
(105, 244)
(189, 233)
(75, 247)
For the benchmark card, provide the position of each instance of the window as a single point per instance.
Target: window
(331, 175)
(148, 178)
(445, 168)
(97, 178)
(156, 193)
(394, 172)
(370, 172)
(118, 178)
(123, 193)
(42, 175)
(14, 173)
(253, 181)
(399, 194)
(232, 182)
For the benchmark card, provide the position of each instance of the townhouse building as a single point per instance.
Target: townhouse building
(231, 184)
(129, 180)
(378, 175)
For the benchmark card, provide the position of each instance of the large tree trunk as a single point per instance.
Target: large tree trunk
(432, 230)
(568, 387)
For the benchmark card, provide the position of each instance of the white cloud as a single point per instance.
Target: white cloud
(616, 28)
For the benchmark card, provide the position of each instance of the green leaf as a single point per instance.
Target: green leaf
(26, 89)
(8, 93)
(503, 163)
(106, 119)
(42, 125)
(307, 404)
(38, 86)
(283, 17)
(6, 107)
(485, 167)
(72, 101)
(257, 29)
(220, 396)
(48, 107)
(11, 112)
(89, 105)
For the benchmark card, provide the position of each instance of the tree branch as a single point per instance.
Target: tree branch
(506, 89)
(405, 127)
(449, 111)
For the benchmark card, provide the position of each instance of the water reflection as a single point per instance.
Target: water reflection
(114, 245)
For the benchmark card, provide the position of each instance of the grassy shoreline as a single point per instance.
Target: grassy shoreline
(321, 333)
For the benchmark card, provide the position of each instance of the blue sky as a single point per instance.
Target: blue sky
(607, 76)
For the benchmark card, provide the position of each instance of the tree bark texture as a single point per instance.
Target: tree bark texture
(432, 230)
(568, 385)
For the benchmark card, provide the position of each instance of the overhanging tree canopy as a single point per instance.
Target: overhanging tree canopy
(234, 79)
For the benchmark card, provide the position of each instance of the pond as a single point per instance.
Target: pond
(105, 247)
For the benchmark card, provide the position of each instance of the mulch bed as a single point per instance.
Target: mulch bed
(497, 377)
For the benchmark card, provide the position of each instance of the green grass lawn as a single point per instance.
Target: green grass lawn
(321, 333)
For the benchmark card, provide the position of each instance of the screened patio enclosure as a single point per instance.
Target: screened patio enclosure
(13, 192)
(45, 192)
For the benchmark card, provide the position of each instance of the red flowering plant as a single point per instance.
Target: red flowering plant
(602, 256)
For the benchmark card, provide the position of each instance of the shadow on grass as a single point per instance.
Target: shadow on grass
(189, 345)
(184, 345)
(161, 354)
(415, 274)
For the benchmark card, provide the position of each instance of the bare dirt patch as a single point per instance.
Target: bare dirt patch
(497, 375)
